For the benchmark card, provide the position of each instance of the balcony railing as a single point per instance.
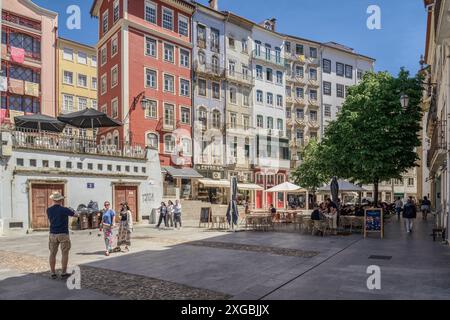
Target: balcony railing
(269, 57)
(209, 69)
(438, 141)
(59, 142)
(245, 78)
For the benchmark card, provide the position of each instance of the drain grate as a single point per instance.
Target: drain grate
(380, 257)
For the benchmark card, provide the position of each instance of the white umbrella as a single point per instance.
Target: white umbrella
(285, 188)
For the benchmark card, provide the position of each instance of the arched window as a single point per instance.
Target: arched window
(203, 116)
(216, 119)
(103, 140)
(116, 138)
(169, 143)
(109, 139)
(187, 146)
(152, 141)
(201, 58)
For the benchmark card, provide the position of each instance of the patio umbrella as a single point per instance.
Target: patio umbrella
(232, 211)
(39, 122)
(334, 187)
(344, 186)
(89, 119)
(285, 188)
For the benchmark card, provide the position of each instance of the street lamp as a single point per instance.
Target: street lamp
(404, 100)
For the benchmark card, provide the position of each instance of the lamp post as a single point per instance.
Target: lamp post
(143, 99)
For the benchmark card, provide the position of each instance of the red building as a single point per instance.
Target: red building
(144, 72)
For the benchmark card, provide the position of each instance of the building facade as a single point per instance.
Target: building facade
(28, 60)
(303, 94)
(76, 77)
(341, 68)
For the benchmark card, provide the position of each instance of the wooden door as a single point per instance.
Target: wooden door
(126, 194)
(40, 201)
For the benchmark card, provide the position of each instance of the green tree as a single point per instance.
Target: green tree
(374, 138)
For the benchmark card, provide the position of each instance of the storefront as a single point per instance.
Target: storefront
(179, 182)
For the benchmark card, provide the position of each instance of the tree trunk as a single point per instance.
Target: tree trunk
(375, 196)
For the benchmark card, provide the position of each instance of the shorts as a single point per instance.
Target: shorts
(59, 239)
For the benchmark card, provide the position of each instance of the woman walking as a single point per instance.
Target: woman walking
(177, 214)
(162, 215)
(170, 208)
(425, 208)
(108, 224)
(125, 228)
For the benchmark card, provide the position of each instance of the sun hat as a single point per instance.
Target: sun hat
(56, 196)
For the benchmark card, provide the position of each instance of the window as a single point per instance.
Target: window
(231, 42)
(104, 109)
(278, 55)
(152, 141)
(340, 90)
(269, 123)
(94, 61)
(327, 111)
(257, 48)
(300, 113)
(245, 73)
(104, 84)
(410, 182)
(104, 55)
(183, 25)
(270, 99)
(151, 108)
(215, 65)
(280, 124)
(313, 74)
(68, 77)
(233, 95)
(348, 71)
(201, 36)
(269, 75)
(169, 143)
(150, 12)
(82, 103)
(246, 121)
(68, 54)
(82, 57)
(105, 22)
(288, 113)
(115, 108)
(116, 11)
(279, 101)
(150, 78)
(288, 91)
(203, 117)
(340, 69)
(168, 52)
(299, 72)
(246, 98)
(279, 77)
(67, 103)
(114, 46)
(167, 19)
(299, 134)
(201, 58)
(169, 118)
(185, 89)
(313, 135)
(299, 49)
(94, 104)
(313, 94)
(94, 83)
(150, 47)
(313, 115)
(259, 96)
(215, 40)
(216, 90)
(326, 66)
(185, 115)
(260, 121)
(244, 45)
(287, 47)
(231, 68)
(82, 80)
(187, 146)
(185, 57)
(360, 74)
(347, 89)
(268, 51)
(259, 72)
(300, 92)
(202, 87)
(114, 76)
(57, 164)
(313, 52)
(233, 120)
(327, 88)
(169, 83)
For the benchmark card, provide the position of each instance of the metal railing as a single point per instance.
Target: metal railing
(438, 141)
(209, 69)
(240, 77)
(49, 141)
(269, 57)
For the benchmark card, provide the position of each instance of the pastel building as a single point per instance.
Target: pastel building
(28, 60)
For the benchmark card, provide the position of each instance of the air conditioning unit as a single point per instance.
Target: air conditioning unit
(216, 175)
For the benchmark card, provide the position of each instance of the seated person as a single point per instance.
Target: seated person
(359, 212)
(272, 211)
(316, 215)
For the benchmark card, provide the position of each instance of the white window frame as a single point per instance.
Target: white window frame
(94, 61)
(180, 19)
(186, 152)
(173, 83)
(173, 52)
(104, 50)
(64, 54)
(104, 108)
(189, 87)
(147, 113)
(78, 57)
(94, 80)
(115, 68)
(64, 109)
(105, 29)
(181, 115)
(156, 78)
(115, 38)
(78, 80)
(64, 77)
(147, 133)
(206, 87)
(162, 18)
(189, 59)
(156, 47)
(115, 100)
(116, 6)
(212, 90)
(232, 88)
(79, 104)
(166, 151)
(104, 88)
(155, 6)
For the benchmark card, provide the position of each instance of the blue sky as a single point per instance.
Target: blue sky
(398, 44)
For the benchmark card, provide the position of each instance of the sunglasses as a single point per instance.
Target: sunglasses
(107, 204)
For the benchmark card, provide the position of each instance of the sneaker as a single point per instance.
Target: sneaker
(53, 276)
(65, 276)
(107, 253)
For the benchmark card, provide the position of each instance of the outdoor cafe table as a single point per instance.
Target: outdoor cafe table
(261, 221)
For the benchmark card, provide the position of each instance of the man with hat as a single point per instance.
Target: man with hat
(58, 217)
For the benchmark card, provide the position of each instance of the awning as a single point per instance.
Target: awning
(184, 173)
(210, 183)
(249, 187)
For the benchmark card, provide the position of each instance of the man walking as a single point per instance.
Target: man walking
(409, 214)
(398, 206)
(58, 217)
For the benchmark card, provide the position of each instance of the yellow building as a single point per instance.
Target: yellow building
(77, 76)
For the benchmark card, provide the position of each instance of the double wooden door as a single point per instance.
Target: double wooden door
(40, 201)
(126, 194)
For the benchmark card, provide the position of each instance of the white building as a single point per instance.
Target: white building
(342, 67)
(33, 166)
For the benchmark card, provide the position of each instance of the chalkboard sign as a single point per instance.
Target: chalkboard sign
(373, 221)
(205, 216)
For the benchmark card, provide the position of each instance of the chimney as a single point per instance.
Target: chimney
(274, 24)
(214, 4)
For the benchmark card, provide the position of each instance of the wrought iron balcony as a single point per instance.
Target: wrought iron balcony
(438, 143)
(210, 70)
(263, 55)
